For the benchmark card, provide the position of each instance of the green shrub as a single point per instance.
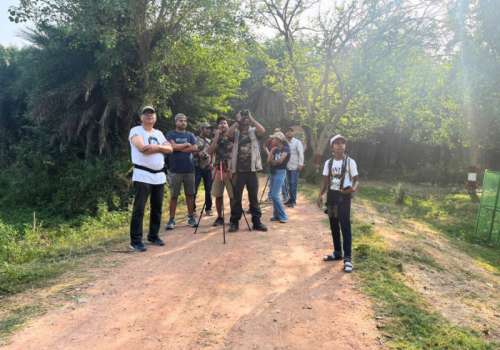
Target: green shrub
(400, 193)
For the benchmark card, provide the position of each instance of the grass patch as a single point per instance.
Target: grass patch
(450, 211)
(17, 317)
(408, 317)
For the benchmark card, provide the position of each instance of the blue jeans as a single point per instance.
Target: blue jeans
(206, 175)
(293, 182)
(284, 192)
(277, 182)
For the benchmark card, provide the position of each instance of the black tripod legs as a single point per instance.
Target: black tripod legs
(199, 219)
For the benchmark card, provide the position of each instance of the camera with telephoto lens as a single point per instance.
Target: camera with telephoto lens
(221, 148)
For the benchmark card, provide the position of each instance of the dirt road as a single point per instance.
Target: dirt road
(261, 290)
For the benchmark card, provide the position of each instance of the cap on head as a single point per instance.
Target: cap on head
(147, 108)
(279, 135)
(336, 137)
(221, 119)
(205, 125)
(179, 116)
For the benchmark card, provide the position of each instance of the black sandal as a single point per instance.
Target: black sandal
(331, 257)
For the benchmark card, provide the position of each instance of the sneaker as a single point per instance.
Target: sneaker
(170, 224)
(234, 227)
(287, 202)
(274, 219)
(219, 221)
(259, 227)
(284, 221)
(285, 199)
(139, 247)
(290, 204)
(209, 212)
(192, 222)
(156, 241)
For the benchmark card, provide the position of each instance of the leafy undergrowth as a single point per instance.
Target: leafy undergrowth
(408, 321)
(32, 257)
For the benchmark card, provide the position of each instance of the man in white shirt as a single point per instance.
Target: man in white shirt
(148, 147)
(294, 167)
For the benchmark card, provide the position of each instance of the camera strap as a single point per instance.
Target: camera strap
(342, 172)
(345, 161)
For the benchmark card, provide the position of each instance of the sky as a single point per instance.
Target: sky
(8, 29)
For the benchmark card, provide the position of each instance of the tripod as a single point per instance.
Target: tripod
(221, 168)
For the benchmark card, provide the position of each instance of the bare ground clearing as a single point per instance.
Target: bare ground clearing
(259, 291)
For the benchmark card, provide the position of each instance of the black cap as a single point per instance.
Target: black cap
(219, 119)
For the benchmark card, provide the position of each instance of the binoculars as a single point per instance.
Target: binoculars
(332, 210)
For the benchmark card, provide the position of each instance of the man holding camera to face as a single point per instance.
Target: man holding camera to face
(245, 163)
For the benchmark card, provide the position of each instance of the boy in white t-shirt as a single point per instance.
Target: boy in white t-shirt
(341, 178)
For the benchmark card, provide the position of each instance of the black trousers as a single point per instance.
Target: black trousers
(206, 176)
(343, 222)
(142, 192)
(251, 181)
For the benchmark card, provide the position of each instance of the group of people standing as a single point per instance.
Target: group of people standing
(234, 152)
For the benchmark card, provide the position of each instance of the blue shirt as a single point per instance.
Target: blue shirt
(277, 156)
(181, 162)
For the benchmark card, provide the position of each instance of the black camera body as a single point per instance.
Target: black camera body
(220, 148)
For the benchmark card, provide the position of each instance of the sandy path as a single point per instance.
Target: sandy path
(259, 291)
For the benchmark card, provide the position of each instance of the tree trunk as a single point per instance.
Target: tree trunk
(473, 156)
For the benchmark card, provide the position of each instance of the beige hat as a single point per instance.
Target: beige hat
(279, 135)
(145, 108)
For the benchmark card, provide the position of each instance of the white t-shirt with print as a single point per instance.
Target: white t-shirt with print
(153, 161)
(337, 173)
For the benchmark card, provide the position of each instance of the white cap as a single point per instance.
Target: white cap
(332, 140)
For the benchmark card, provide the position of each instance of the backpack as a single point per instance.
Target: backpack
(165, 165)
(346, 162)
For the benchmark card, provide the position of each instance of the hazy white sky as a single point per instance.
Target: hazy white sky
(8, 29)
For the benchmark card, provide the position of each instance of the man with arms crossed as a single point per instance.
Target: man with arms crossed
(181, 165)
(148, 147)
